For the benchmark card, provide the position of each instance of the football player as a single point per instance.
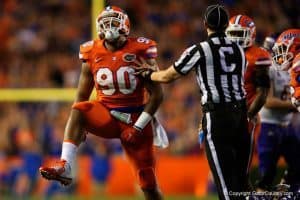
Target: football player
(242, 30)
(119, 110)
(276, 116)
(287, 58)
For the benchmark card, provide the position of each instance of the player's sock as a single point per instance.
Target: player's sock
(69, 151)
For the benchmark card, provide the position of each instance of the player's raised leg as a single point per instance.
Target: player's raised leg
(74, 133)
(61, 169)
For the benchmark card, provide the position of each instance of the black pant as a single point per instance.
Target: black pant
(227, 144)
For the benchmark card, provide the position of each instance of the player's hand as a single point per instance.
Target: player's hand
(144, 69)
(296, 103)
(131, 134)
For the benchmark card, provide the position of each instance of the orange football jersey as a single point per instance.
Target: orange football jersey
(256, 57)
(115, 83)
(295, 77)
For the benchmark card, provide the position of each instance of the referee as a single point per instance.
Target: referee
(219, 65)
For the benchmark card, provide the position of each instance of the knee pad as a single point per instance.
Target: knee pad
(147, 178)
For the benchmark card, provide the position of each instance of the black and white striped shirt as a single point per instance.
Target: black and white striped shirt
(220, 66)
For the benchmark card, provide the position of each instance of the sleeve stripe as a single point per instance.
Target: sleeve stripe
(263, 62)
(188, 66)
(151, 55)
(178, 70)
(187, 61)
(151, 50)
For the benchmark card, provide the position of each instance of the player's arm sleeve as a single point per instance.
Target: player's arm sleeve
(162, 76)
(148, 48)
(187, 61)
(85, 50)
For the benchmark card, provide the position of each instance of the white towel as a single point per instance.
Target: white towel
(160, 136)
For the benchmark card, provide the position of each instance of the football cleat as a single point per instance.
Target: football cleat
(60, 171)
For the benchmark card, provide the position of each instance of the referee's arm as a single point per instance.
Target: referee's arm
(182, 66)
(165, 76)
(149, 72)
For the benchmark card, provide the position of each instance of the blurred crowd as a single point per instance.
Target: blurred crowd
(39, 49)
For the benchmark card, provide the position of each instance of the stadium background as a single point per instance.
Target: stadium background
(39, 50)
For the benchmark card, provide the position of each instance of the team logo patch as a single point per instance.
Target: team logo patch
(128, 57)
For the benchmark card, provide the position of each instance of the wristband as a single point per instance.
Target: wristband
(143, 120)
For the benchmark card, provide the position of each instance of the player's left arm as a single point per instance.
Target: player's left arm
(155, 92)
(155, 99)
(262, 83)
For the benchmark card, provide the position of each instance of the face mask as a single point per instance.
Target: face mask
(112, 34)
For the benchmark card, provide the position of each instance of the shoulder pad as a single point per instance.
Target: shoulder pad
(84, 50)
(86, 47)
(144, 42)
(262, 57)
(146, 46)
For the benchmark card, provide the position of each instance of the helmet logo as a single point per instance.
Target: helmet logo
(290, 35)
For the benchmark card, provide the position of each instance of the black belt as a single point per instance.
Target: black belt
(210, 106)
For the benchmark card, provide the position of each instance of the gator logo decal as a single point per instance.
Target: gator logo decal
(128, 57)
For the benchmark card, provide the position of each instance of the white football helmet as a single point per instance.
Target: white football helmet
(112, 22)
(242, 30)
(286, 47)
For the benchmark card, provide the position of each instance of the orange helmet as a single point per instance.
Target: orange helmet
(285, 48)
(112, 22)
(242, 30)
